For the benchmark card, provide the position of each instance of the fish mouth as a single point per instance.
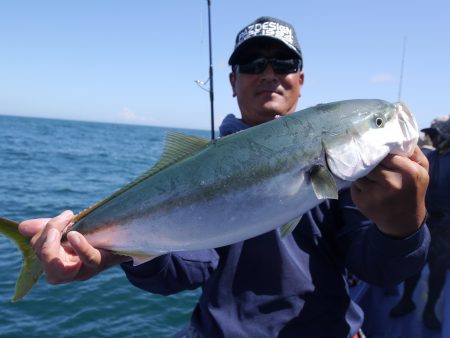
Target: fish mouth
(409, 128)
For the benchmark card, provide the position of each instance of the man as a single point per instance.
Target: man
(438, 205)
(268, 286)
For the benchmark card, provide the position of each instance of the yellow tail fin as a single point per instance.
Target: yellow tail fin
(31, 266)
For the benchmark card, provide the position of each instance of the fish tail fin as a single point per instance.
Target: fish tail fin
(31, 266)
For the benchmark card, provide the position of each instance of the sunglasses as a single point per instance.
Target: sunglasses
(279, 66)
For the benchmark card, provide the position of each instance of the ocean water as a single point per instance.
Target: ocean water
(48, 166)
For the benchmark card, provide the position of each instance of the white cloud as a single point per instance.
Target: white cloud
(382, 78)
(128, 116)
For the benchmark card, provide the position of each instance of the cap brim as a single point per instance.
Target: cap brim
(428, 130)
(235, 56)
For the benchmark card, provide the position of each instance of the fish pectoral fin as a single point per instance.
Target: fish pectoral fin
(138, 257)
(289, 227)
(323, 183)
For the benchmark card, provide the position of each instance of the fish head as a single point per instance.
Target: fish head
(408, 126)
(370, 130)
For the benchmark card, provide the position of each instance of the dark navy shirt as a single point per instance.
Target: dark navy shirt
(438, 192)
(295, 286)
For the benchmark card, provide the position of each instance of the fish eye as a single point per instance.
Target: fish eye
(379, 122)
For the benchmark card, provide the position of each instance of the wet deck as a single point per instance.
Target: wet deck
(377, 302)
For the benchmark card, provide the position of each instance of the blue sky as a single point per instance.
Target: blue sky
(137, 61)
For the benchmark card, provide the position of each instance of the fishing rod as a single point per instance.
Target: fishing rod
(401, 69)
(211, 88)
(202, 84)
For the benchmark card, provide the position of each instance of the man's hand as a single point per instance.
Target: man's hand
(393, 194)
(63, 263)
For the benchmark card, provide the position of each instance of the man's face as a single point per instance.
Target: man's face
(262, 97)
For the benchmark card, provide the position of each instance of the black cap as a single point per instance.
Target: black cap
(439, 125)
(268, 28)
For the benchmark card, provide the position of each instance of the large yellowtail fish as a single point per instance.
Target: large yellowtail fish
(206, 194)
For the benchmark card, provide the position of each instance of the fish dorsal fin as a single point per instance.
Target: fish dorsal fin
(176, 148)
